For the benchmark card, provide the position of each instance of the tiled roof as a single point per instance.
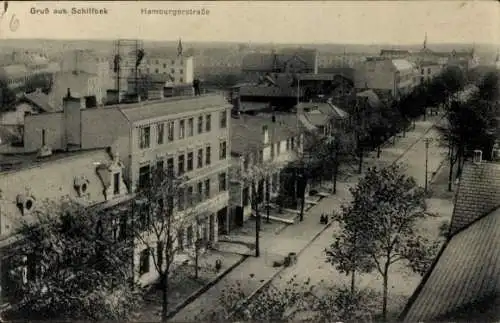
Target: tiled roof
(148, 110)
(478, 194)
(464, 283)
(371, 97)
(402, 64)
(306, 123)
(41, 100)
(317, 118)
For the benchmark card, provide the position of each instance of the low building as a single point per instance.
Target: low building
(291, 61)
(179, 68)
(264, 141)
(27, 181)
(463, 283)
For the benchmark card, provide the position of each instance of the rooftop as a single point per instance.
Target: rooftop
(14, 162)
(463, 283)
(157, 108)
(402, 64)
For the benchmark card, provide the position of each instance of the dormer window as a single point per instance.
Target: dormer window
(25, 203)
(81, 185)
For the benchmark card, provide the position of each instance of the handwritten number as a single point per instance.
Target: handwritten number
(14, 23)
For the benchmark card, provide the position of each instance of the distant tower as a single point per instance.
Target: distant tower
(128, 55)
(425, 41)
(179, 48)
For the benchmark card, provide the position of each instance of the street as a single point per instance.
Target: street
(311, 261)
(311, 264)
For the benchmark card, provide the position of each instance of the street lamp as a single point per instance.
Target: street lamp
(427, 141)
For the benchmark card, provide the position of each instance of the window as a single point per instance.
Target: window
(429, 71)
(181, 198)
(160, 169)
(172, 71)
(222, 150)
(292, 143)
(208, 122)
(170, 166)
(208, 156)
(200, 124)
(144, 173)
(182, 129)
(144, 137)
(189, 236)
(170, 127)
(144, 262)
(422, 71)
(180, 239)
(116, 183)
(190, 127)
(173, 62)
(181, 71)
(164, 65)
(246, 162)
(207, 188)
(157, 62)
(190, 161)
(189, 196)
(200, 158)
(222, 182)
(261, 156)
(278, 148)
(180, 164)
(181, 79)
(246, 196)
(199, 191)
(157, 71)
(160, 132)
(223, 119)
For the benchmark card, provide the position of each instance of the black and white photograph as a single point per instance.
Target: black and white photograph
(250, 161)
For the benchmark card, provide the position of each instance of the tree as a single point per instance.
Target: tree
(72, 266)
(163, 207)
(253, 175)
(379, 226)
(470, 124)
(298, 301)
(7, 96)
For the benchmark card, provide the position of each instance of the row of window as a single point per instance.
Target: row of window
(157, 62)
(185, 163)
(186, 128)
(429, 71)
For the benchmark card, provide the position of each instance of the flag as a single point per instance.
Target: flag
(140, 56)
(179, 48)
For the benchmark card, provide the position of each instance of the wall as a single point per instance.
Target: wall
(375, 75)
(101, 127)
(141, 156)
(16, 117)
(53, 123)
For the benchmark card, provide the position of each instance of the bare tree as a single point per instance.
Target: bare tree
(163, 207)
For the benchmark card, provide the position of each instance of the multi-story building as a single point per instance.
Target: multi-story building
(264, 141)
(429, 70)
(189, 136)
(179, 68)
(396, 75)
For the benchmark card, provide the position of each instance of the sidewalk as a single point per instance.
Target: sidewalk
(254, 272)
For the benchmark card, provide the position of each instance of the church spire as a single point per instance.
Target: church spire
(179, 48)
(425, 41)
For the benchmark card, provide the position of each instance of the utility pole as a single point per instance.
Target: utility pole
(427, 141)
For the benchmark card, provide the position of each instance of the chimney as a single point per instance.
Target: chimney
(72, 120)
(265, 132)
(478, 156)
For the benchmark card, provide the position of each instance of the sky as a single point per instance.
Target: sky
(350, 22)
